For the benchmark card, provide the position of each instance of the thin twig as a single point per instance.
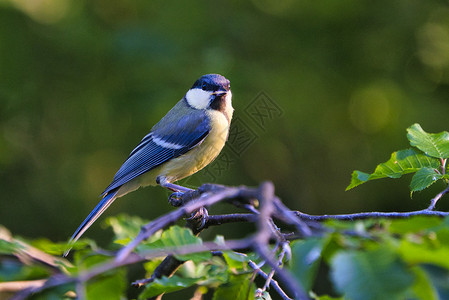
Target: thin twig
(149, 229)
(267, 208)
(272, 282)
(434, 201)
(286, 214)
(371, 215)
(267, 233)
(84, 276)
(280, 258)
(15, 286)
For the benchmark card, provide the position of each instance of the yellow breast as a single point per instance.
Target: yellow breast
(197, 158)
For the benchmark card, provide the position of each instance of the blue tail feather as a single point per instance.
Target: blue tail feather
(95, 213)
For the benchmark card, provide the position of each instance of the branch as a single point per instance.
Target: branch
(371, 215)
(15, 286)
(267, 234)
(204, 200)
(272, 282)
(84, 276)
(267, 198)
(434, 201)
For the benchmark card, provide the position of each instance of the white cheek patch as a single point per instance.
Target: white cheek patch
(197, 98)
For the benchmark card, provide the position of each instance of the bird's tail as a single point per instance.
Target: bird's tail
(95, 213)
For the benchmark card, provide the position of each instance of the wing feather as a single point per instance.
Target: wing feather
(154, 149)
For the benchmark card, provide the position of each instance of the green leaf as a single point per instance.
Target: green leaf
(60, 292)
(151, 265)
(324, 297)
(306, 257)
(50, 247)
(108, 287)
(126, 228)
(424, 253)
(86, 261)
(433, 144)
(14, 270)
(357, 178)
(438, 278)
(239, 287)
(9, 247)
(237, 261)
(400, 163)
(175, 238)
(424, 178)
(375, 274)
(422, 287)
(167, 285)
(414, 224)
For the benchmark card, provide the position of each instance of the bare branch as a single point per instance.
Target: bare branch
(148, 230)
(267, 234)
(267, 197)
(434, 201)
(272, 282)
(371, 215)
(15, 286)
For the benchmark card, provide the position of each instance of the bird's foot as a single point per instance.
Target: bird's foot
(175, 199)
(199, 218)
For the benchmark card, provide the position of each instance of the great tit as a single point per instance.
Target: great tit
(185, 140)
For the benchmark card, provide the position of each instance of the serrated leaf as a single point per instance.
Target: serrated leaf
(306, 257)
(424, 178)
(357, 178)
(167, 285)
(239, 287)
(177, 237)
(433, 144)
(400, 163)
(370, 275)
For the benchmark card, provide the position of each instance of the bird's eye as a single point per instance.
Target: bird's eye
(203, 86)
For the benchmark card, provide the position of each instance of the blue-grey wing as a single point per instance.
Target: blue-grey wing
(168, 139)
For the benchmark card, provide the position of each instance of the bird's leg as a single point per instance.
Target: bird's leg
(198, 217)
(163, 182)
(174, 198)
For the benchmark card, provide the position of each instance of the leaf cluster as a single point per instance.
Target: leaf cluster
(391, 259)
(427, 160)
(353, 259)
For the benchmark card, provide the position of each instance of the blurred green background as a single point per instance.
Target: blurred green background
(81, 82)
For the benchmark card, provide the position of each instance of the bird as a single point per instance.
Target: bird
(188, 138)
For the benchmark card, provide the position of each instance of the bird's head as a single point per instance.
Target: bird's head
(211, 91)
